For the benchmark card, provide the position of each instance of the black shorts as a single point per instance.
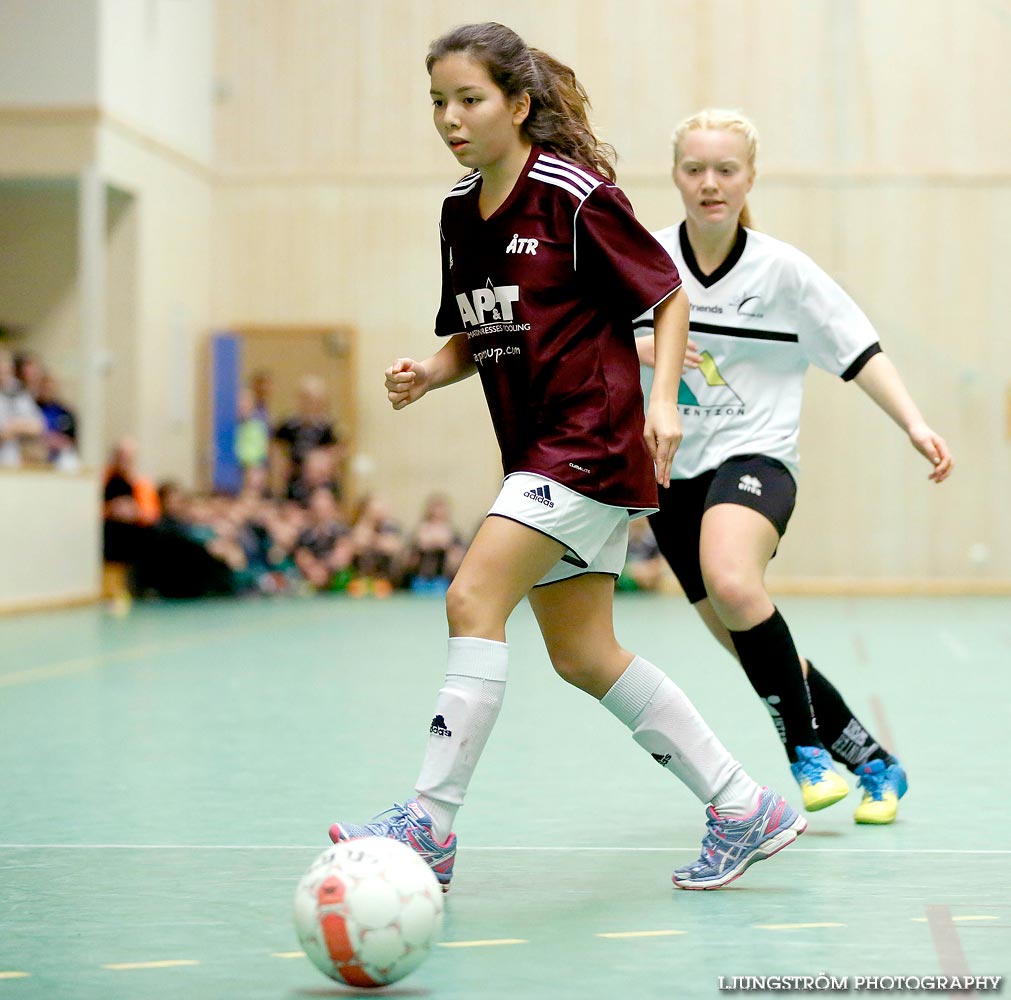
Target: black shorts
(754, 481)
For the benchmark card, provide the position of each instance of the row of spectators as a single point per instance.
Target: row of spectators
(177, 544)
(182, 545)
(298, 535)
(35, 426)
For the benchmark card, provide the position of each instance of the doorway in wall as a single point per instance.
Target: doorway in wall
(285, 354)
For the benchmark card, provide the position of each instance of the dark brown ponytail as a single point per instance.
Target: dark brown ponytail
(558, 119)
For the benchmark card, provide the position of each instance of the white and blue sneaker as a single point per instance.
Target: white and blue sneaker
(411, 824)
(820, 783)
(883, 784)
(730, 846)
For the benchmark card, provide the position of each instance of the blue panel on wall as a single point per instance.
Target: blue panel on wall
(226, 372)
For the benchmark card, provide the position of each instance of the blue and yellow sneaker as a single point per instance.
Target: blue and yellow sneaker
(410, 824)
(883, 785)
(820, 784)
(732, 845)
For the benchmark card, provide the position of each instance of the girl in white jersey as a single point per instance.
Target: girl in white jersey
(761, 312)
(544, 271)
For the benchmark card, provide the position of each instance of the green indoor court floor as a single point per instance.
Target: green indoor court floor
(167, 775)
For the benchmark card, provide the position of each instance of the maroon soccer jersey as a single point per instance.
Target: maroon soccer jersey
(546, 291)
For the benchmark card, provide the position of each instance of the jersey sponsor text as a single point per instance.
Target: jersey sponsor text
(493, 302)
(521, 244)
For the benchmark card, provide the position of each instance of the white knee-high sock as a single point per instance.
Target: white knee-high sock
(665, 723)
(465, 712)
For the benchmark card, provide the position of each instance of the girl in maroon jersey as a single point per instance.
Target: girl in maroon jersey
(544, 268)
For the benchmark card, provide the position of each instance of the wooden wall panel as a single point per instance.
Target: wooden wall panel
(339, 85)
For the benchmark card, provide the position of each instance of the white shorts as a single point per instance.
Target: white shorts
(595, 535)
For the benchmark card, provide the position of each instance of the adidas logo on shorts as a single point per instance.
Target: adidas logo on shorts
(750, 484)
(542, 494)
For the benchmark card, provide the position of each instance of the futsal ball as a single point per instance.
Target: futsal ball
(368, 911)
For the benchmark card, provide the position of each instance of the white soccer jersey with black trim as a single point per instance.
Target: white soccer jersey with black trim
(760, 319)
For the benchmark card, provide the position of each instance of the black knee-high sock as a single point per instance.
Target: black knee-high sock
(844, 735)
(770, 660)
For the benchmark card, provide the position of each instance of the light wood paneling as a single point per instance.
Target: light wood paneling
(340, 84)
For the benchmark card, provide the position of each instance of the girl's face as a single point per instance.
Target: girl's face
(713, 176)
(472, 115)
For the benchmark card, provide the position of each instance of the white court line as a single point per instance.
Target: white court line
(639, 934)
(956, 648)
(170, 963)
(793, 927)
(472, 847)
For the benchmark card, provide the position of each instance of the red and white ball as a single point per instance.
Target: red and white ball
(368, 911)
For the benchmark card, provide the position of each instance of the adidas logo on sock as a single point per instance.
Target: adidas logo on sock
(542, 494)
(662, 759)
(438, 727)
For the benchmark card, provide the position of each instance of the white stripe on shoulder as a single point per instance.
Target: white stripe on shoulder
(562, 167)
(464, 186)
(468, 179)
(561, 182)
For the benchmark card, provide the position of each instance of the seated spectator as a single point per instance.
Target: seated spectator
(260, 385)
(645, 567)
(28, 370)
(378, 550)
(123, 481)
(229, 543)
(130, 505)
(435, 550)
(323, 551)
(255, 482)
(61, 424)
(179, 558)
(317, 473)
(174, 505)
(252, 442)
(309, 429)
(284, 522)
(21, 420)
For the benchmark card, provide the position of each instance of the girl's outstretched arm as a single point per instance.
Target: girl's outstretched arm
(880, 379)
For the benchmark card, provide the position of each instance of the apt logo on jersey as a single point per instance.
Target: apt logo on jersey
(750, 484)
(491, 304)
